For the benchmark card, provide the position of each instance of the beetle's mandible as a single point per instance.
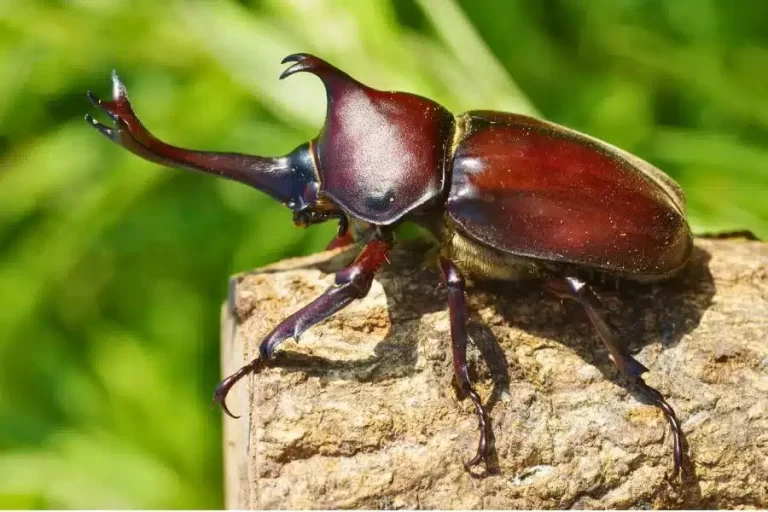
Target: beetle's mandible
(508, 197)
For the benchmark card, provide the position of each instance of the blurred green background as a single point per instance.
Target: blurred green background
(112, 269)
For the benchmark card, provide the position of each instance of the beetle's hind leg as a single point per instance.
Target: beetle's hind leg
(580, 291)
(351, 283)
(457, 308)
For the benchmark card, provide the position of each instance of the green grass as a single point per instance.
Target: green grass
(112, 269)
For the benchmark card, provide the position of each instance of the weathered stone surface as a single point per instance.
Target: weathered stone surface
(364, 413)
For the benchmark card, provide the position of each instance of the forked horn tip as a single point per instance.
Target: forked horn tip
(296, 68)
(118, 87)
(306, 62)
(95, 101)
(295, 57)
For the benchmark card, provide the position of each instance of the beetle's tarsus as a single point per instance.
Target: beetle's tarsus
(482, 444)
(677, 433)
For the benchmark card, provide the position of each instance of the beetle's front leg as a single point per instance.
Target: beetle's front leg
(352, 283)
(340, 241)
(578, 290)
(457, 307)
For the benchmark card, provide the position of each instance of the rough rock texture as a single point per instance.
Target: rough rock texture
(364, 413)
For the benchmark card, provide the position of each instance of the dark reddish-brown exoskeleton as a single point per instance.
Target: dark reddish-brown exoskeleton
(508, 197)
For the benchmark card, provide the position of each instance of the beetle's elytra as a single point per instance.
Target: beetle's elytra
(507, 197)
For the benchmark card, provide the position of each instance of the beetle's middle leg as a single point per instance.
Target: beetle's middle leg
(457, 307)
(580, 291)
(351, 283)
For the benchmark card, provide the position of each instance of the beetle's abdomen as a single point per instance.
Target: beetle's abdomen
(531, 188)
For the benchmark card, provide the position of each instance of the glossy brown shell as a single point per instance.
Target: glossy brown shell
(380, 154)
(531, 188)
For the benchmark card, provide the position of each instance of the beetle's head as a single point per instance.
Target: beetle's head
(380, 154)
(298, 187)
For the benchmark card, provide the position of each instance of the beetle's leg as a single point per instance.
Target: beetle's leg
(340, 241)
(352, 283)
(343, 235)
(457, 308)
(578, 290)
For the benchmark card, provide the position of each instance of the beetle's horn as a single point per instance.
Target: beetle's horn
(277, 177)
(331, 76)
(338, 84)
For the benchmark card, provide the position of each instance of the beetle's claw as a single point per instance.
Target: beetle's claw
(669, 414)
(677, 470)
(678, 448)
(677, 436)
(480, 457)
(222, 390)
(474, 461)
(483, 448)
(220, 398)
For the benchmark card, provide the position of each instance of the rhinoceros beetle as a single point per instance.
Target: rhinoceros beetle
(508, 197)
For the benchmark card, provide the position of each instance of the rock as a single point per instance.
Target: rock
(362, 414)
